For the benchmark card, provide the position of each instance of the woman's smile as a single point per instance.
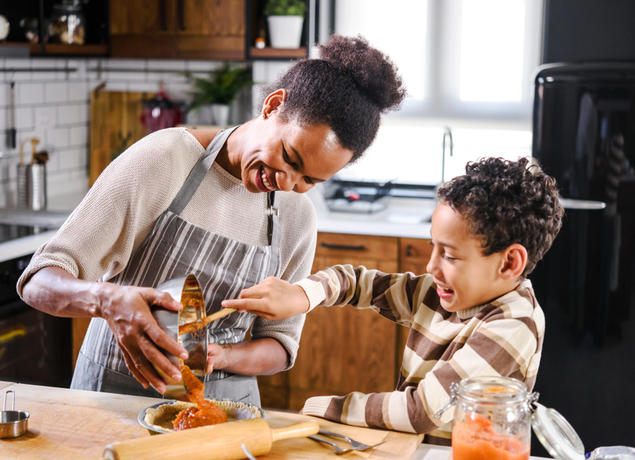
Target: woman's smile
(264, 183)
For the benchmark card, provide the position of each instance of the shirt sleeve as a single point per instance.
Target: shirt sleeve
(502, 347)
(393, 295)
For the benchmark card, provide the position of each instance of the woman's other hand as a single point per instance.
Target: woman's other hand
(143, 342)
(272, 298)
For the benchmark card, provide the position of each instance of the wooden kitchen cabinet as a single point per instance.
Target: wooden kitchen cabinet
(184, 29)
(343, 349)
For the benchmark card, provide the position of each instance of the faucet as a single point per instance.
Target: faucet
(447, 139)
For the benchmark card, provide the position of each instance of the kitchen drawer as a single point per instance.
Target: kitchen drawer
(414, 254)
(356, 246)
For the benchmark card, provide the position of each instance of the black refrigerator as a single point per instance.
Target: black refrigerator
(584, 136)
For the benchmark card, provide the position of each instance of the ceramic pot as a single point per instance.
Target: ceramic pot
(285, 31)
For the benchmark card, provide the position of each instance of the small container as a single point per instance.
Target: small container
(187, 291)
(494, 416)
(492, 419)
(13, 423)
(67, 24)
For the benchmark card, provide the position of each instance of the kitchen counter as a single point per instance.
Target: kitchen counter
(70, 424)
(402, 217)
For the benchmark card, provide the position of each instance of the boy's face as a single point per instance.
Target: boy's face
(464, 277)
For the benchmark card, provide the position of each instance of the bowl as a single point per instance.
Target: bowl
(158, 420)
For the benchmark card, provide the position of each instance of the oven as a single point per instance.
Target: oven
(35, 347)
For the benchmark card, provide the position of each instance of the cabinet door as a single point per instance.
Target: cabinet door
(139, 28)
(342, 349)
(213, 29)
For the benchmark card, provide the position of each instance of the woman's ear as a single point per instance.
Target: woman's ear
(273, 102)
(514, 261)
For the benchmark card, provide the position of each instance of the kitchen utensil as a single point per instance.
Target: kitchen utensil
(187, 291)
(235, 410)
(214, 442)
(340, 451)
(11, 132)
(13, 423)
(354, 444)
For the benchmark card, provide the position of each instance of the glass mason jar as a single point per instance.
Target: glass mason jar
(67, 24)
(492, 419)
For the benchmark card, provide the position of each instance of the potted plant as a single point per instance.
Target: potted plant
(285, 19)
(216, 93)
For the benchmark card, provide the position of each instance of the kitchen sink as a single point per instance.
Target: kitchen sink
(45, 218)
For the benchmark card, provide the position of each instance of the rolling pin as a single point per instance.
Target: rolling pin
(214, 442)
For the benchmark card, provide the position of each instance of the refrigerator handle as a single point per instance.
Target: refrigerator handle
(585, 205)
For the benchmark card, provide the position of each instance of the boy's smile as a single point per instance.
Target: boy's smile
(464, 276)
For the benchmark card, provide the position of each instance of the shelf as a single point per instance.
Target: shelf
(277, 53)
(19, 49)
(58, 49)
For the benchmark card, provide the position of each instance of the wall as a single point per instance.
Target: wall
(54, 106)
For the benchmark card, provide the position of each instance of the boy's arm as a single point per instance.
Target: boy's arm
(392, 295)
(506, 347)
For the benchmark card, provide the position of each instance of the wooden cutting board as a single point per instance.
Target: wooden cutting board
(115, 124)
(71, 424)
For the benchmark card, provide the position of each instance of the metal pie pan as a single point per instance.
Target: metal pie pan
(235, 410)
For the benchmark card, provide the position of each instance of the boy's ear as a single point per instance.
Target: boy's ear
(514, 261)
(273, 101)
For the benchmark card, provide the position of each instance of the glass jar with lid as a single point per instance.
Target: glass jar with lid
(493, 419)
(67, 23)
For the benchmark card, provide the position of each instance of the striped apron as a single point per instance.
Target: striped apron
(172, 249)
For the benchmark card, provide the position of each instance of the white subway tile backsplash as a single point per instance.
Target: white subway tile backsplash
(72, 114)
(45, 117)
(56, 92)
(29, 93)
(57, 138)
(24, 117)
(78, 92)
(79, 136)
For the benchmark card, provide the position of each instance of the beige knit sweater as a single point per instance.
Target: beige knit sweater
(101, 234)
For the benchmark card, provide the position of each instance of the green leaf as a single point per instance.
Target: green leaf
(285, 8)
(221, 87)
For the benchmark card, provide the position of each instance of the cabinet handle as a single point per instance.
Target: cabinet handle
(162, 16)
(409, 251)
(181, 14)
(345, 247)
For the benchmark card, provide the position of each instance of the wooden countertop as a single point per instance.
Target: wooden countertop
(71, 424)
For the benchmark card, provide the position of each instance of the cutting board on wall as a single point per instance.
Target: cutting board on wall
(115, 124)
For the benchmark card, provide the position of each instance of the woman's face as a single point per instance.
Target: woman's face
(287, 156)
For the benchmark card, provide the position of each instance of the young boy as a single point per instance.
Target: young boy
(474, 313)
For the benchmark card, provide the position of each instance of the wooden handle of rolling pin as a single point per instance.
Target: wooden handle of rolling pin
(215, 442)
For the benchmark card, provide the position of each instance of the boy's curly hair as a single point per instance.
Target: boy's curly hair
(507, 202)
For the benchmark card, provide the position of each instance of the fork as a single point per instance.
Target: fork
(354, 444)
(338, 450)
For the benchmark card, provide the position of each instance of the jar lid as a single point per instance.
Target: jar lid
(556, 434)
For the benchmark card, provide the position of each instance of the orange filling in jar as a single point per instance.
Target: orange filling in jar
(476, 439)
(205, 412)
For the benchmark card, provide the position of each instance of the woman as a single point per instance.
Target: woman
(215, 204)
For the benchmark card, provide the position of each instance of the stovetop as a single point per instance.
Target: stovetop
(10, 232)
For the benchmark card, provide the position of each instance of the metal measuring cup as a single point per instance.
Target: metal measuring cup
(13, 423)
(187, 291)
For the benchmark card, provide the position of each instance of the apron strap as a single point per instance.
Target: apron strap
(198, 172)
(273, 217)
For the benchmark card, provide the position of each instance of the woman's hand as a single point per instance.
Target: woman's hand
(272, 298)
(142, 341)
(217, 357)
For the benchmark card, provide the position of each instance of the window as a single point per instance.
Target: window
(467, 64)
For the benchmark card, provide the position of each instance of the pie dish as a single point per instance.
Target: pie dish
(158, 417)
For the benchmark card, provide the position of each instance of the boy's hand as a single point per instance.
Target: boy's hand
(273, 298)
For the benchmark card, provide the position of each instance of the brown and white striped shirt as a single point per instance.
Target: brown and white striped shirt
(503, 337)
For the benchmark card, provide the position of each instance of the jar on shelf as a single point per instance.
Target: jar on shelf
(67, 24)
